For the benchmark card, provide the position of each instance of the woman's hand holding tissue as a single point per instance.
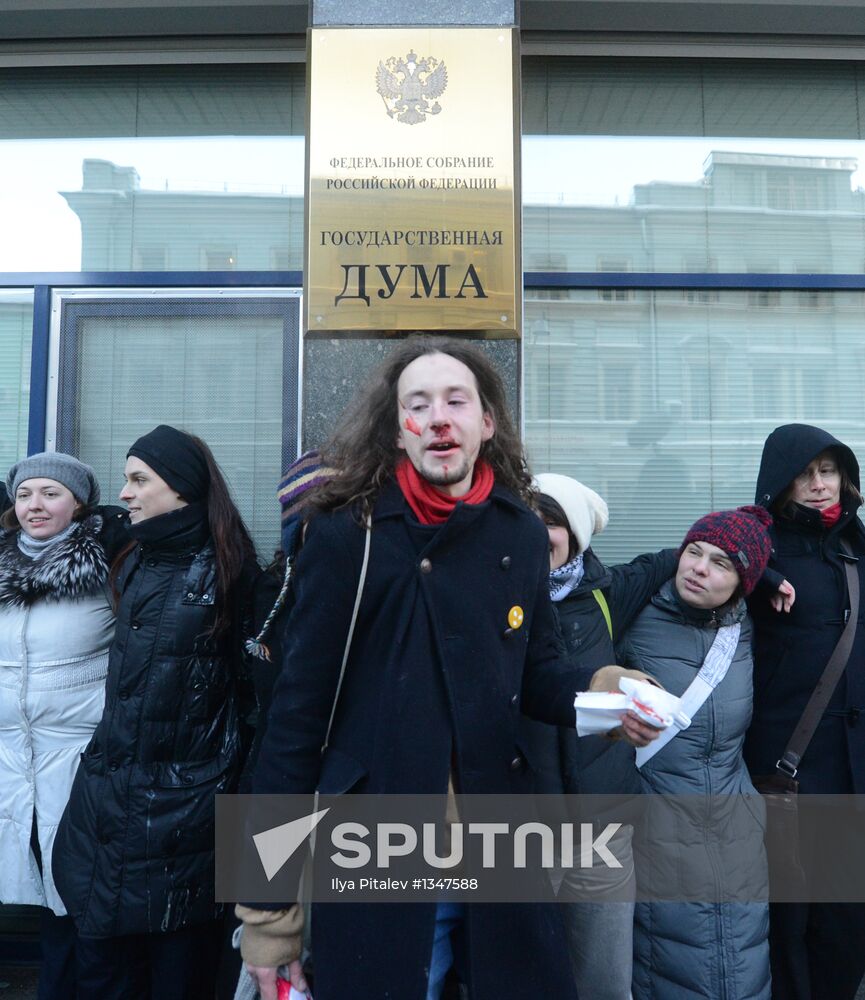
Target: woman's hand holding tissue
(624, 704)
(607, 678)
(634, 731)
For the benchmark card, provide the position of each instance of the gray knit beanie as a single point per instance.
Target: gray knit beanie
(77, 477)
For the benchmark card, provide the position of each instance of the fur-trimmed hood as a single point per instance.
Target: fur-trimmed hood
(72, 568)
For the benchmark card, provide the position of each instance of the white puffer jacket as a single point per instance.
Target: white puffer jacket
(56, 624)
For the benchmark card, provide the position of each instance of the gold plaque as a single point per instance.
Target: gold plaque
(412, 193)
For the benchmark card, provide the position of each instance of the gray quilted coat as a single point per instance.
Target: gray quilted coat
(690, 950)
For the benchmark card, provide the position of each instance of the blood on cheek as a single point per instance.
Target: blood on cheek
(411, 425)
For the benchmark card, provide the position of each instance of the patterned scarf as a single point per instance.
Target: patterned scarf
(566, 579)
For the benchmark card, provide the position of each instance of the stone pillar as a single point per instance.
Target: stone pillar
(334, 368)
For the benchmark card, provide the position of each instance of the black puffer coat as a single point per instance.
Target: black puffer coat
(791, 650)
(134, 853)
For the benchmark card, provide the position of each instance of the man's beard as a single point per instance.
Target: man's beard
(445, 477)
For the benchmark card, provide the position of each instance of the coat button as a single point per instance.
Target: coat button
(509, 633)
(123, 695)
(425, 566)
(190, 595)
(113, 765)
(516, 763)
(188, 779)
(515, 699)
(506, 562)
(135, 625)
(151, 562)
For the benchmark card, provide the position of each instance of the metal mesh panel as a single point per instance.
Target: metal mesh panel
(225, 370)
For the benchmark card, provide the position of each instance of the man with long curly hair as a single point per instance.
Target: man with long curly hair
(454, 638)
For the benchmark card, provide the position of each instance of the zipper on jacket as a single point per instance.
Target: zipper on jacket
(721, 938)
(22, 700)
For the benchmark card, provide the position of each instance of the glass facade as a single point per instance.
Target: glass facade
(662, 402)
(660, 398)
(693, 166)
(152, 169)
(657, 396)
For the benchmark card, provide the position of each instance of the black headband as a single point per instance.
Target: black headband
(177, 458)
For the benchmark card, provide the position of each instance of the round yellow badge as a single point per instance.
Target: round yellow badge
(515, 616)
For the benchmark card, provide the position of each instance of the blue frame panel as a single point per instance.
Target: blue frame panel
(39, 369)
(659, 280)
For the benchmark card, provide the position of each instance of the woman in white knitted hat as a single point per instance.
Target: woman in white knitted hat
(594, 605)
(56, 624)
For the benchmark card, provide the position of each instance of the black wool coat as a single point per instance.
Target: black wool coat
(435, 682)
(135, 848)
(792, 650)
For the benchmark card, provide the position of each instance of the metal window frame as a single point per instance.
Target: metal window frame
(69, 306)
(45, 284)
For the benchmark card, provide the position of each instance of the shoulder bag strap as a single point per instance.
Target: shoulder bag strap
(711, 673)
(605, 609)
(357, 600)
(822, 693)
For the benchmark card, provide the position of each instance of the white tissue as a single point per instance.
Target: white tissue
(601, 711)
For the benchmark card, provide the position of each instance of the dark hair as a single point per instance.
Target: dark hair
(232, 544)
(364, 446)
(551, 513)
(785, 506)
(10, 522)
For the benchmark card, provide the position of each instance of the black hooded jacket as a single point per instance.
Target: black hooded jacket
(792, 650)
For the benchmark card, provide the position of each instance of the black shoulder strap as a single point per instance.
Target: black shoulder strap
(822, 693)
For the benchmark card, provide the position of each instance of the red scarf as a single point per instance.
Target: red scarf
(830, 515)
(432, 506)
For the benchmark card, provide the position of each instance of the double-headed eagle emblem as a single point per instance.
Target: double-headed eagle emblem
(408, 85)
